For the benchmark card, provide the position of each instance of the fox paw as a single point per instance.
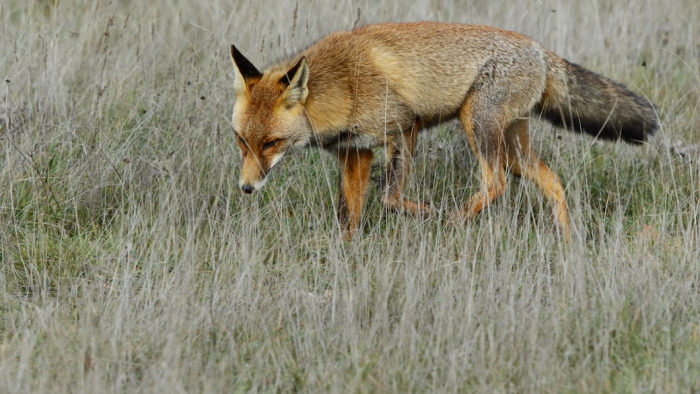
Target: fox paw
(413, 208)
(457, 217)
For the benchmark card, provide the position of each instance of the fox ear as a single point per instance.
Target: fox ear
(245, 70)
(296, 80)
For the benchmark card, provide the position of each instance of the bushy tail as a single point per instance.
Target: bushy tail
(581, 100)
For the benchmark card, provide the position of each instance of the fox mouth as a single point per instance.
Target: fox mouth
(249, 188)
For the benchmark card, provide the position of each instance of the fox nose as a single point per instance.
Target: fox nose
(247, 188)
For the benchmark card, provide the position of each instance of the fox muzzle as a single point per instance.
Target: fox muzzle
(249, 187)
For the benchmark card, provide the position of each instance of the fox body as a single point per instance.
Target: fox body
(378, 85)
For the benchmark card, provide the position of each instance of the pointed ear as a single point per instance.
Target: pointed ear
(296, 81)
(244, 69)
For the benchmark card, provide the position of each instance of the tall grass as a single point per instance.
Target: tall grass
(130, 262)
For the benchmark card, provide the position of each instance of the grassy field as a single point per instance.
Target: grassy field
(131, 262)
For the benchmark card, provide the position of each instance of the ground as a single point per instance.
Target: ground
(131, 262)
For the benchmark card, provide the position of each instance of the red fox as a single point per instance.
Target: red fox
(379, 85)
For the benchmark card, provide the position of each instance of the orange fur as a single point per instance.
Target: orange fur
(376, 86)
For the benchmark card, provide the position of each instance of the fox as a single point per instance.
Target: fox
(378, 86)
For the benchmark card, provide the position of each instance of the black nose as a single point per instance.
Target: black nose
(247, 189)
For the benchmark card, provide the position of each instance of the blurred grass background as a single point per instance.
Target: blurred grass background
(130, 262)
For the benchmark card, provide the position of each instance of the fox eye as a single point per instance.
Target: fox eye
(270, 144)
(241, 144)
(241, 140)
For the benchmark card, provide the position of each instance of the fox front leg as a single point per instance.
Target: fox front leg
(355, 165)
(400, 152)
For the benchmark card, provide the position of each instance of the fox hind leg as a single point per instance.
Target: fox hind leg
(399, 159)
(485, 135)
(523, 161)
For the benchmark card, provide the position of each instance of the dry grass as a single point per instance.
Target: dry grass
(130, 262)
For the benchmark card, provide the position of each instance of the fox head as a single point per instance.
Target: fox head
(268, 117)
